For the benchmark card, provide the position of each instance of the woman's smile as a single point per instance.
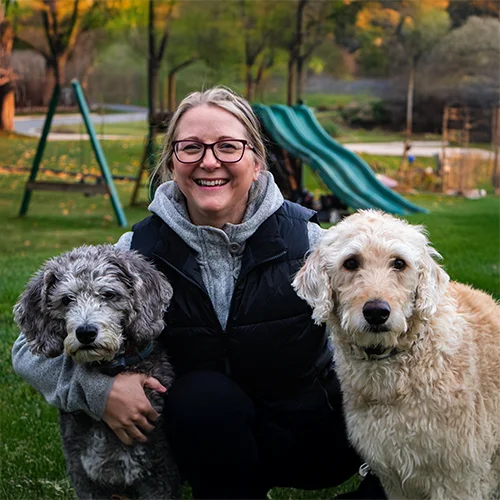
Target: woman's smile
(211, 183)
(216, 192)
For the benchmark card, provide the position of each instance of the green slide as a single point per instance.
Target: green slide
(347, 175)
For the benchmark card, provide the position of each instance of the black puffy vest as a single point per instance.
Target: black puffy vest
(270, 345)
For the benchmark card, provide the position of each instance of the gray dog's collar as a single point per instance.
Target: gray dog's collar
(118, 364)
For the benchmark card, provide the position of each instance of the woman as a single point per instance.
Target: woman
(256, 403)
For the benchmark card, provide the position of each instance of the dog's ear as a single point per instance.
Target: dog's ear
(151, 295)
(44, 334)
(313, 285)
(432, 284)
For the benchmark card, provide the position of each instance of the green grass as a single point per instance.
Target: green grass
(138, 128)
(465, 232)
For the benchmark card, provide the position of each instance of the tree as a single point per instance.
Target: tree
(260, 30)
(203, 32)
(415, 27)
(7, 76)
(54, 27)
(461, 10)
(469, 58)
(311, 23)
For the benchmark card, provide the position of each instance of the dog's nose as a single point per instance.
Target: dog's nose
(376, 312)
(86, 334)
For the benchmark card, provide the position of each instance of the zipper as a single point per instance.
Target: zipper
(185, 276)
(223, 331)
(241, 277)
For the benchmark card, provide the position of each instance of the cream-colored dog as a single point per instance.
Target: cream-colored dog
(418, 358)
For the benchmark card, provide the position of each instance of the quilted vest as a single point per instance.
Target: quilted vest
(270, 345)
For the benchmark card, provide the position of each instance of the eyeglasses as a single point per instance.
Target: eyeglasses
(225, 151)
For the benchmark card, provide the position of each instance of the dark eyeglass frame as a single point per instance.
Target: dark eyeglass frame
(211, 146)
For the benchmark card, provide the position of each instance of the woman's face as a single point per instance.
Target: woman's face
(214, 205)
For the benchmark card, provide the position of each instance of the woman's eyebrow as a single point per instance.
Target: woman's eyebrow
(196, 138)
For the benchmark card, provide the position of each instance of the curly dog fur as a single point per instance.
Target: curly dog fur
(418, 358)
(96, 304)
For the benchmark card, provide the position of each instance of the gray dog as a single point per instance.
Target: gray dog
(104, 307)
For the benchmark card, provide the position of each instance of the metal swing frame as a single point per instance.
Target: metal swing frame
(107, 187)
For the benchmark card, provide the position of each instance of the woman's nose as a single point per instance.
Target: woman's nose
(209, 160)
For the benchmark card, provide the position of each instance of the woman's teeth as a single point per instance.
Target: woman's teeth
(218, 182)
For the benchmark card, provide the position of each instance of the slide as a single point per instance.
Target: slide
(347, 175)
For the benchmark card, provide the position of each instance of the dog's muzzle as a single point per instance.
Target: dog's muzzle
(376, 313)
(86, 334)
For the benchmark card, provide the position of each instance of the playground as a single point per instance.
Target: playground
(83, 196)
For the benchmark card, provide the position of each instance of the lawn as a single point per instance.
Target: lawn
(138, 129)
(465, 232)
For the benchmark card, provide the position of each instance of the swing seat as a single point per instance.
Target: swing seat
(87, 189)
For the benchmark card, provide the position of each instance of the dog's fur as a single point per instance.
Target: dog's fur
(123, 297)
(421, 391)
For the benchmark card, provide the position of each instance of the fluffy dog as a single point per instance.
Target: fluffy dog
(418, 358)
(104, 307)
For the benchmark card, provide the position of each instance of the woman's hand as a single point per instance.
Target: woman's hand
(128, 411)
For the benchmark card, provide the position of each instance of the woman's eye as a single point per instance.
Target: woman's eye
(66, 300)
(191, 148)
(226, 146)
(351, 264)
(399, 264)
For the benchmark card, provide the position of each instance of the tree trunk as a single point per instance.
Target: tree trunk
(172, 91)
(152, 64)
(7, 100)
(409, 101)
(162, 92)
(290, 88)
(301, 78)
(409, 117)
(172, 83)
(7, 107)
(297, 52)
(249, 83)
(55, 74)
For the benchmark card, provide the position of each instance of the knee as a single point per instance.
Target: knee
(206, 399)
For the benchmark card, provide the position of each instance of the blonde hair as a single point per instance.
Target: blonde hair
(223, 98)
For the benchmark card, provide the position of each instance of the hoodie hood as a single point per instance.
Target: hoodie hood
(170, 204)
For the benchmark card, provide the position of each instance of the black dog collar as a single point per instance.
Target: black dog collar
(377, 353)
(118, 365)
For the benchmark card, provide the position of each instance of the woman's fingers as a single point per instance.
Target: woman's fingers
(128, 411)
(154, 384)
(123, 437)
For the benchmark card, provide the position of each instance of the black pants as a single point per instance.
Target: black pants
(226, 446)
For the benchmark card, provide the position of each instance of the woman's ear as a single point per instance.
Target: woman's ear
(256, 170)
(313, 285)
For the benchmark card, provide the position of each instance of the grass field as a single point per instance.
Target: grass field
(465, 232)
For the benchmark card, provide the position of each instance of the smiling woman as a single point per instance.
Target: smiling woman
(213, 169)
(256, 402)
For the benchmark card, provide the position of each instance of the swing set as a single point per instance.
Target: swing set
(104, 183)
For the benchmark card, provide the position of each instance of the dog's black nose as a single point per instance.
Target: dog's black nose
(86, 334)
(376, 312)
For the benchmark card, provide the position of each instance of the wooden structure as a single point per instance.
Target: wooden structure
(104, 184)
(463, 168)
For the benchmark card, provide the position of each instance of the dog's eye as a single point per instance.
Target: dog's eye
(351, 264)
(66, 300)
(399, 264)
(109, 295)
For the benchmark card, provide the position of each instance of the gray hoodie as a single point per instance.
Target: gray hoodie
(71, 387)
